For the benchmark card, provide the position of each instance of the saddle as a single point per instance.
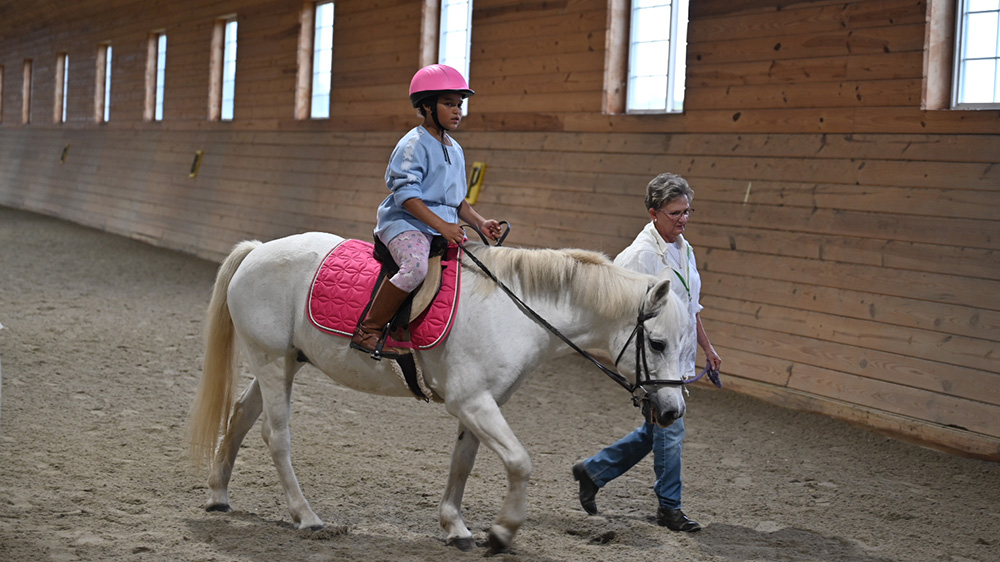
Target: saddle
(349, 276)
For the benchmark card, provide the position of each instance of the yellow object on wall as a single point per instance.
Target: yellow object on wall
(475, 182)
(196, 163)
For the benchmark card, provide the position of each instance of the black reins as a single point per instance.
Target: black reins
(638, 334)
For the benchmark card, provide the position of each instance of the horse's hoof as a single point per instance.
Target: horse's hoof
(313, 526)
(495, 545)
(323, 532)
(223, 507)
(465, 544)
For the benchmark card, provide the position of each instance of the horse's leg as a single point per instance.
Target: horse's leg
(276, 391)
(482, 416)
(246, 410)
(463, 457)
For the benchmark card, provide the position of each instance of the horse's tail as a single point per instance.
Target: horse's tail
(214, 398)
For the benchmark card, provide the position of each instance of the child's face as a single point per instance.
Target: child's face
(449, 110)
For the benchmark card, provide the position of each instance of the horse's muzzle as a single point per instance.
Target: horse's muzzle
(662, 419)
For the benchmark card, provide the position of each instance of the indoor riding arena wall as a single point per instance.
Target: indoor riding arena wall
(847, 222)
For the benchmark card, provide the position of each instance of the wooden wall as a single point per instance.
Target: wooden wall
(847, 235)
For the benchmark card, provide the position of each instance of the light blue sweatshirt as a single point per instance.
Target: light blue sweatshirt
(417, 168)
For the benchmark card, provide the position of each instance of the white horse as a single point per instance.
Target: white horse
(260, 301)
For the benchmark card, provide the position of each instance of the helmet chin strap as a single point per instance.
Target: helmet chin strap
(442, 128)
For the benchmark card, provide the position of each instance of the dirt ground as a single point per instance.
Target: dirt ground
(100, 354)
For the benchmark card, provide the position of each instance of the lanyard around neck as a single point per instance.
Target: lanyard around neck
(687, 267)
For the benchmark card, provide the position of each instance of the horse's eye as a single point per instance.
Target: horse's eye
(657, 346)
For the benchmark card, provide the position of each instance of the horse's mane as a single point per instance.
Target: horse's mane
(581, 275)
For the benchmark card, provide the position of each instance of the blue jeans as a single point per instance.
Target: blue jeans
(613, 461)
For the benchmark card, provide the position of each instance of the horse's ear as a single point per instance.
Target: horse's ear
(658, 292)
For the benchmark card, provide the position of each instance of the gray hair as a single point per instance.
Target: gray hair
(666, 187)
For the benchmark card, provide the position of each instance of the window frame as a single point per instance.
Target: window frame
(161, 76)
(229, 48)
(618, 60)
(102, 83)
(156, 65)
(676, 39)
(61, 89)
(327, 71)
(959, 63)
(222, 90)
(307, 73)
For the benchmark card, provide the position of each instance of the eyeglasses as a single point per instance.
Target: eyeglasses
(674, 215)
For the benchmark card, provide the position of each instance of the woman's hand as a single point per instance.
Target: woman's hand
(714, 361)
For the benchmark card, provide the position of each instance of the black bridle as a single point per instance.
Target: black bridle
(643, 379)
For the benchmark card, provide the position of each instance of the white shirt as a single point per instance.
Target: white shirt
(650, 253)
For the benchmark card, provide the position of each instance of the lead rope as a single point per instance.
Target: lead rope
(637, 332)
(528, 310)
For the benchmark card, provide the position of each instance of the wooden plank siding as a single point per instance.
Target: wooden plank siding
(848, 238)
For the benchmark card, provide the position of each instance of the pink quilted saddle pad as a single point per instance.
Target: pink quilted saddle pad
(343, 286)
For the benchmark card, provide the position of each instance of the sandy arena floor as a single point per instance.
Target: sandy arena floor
(101, 351)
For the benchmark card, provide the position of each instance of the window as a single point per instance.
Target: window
(455, 37)
(156, 65)
(322, 66)
(315, 61)
(229, 71)
(62, 84)
(977, 55)
(656, 59)
(161, 70)
(107, 87)
(222, 82)
(26, 93)
(102, 85)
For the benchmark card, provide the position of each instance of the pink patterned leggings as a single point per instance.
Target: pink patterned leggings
(410, 250)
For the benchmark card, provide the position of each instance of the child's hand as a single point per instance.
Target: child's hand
(452, 233)
(491, 229)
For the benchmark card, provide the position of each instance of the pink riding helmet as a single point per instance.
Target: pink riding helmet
(437, 79)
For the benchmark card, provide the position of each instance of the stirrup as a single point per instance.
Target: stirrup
(377, 353)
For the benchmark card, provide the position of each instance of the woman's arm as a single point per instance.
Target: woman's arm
(714, 360)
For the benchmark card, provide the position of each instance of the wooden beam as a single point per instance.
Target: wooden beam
(430, 22)
(304, 59)
(615, 57)
(939, 41)
(215, 64)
